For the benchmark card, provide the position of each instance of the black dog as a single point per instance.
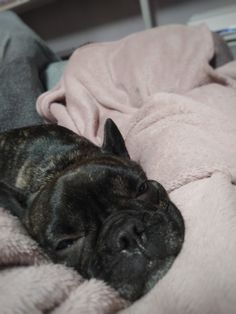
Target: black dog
(91, 208)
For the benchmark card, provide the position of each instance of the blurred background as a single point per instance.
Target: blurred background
(67, 24)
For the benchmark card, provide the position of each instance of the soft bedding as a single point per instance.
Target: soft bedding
(177, 115)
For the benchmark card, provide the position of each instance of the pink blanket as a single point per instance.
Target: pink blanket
(178, 117)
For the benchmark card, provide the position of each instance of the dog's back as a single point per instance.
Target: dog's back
(30, 156)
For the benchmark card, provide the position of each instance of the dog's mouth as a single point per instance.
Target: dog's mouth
(133, 253)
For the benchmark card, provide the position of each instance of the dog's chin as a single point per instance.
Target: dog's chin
(125, 272)
(132, 274)
(143, 280)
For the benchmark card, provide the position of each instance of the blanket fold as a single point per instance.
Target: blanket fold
(115, 79)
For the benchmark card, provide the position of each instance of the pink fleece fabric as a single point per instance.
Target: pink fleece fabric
(178, 117)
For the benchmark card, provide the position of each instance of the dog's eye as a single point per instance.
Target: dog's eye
(64, 244)
(142, 188)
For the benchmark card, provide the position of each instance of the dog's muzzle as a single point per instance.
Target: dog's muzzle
(133, 245)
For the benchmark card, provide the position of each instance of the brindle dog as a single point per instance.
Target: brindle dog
(90, 207)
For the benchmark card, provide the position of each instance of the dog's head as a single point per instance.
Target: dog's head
(103, 217)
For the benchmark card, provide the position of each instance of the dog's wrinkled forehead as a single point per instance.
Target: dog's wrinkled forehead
(111, 176)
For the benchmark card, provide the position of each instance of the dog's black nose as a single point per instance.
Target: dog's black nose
(130, 236)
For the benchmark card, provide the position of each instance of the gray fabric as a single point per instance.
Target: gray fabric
(222, 51)
(53, 73)
(23, 58)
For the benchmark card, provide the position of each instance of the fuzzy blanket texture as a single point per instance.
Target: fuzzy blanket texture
(178, 116)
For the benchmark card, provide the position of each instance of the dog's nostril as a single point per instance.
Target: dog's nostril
(130, 236)
(123, 242)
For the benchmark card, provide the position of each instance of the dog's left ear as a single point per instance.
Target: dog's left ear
(113, 142)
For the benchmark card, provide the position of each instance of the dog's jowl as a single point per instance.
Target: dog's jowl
(89, 207)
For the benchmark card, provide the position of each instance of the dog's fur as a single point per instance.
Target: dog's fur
(91, 208)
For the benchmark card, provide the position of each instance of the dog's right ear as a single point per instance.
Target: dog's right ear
(12, 199)
(113, 141)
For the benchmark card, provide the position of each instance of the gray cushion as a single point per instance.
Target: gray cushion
(23, 59)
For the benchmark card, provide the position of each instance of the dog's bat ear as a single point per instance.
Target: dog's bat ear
(12, 199)
(113, 141)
